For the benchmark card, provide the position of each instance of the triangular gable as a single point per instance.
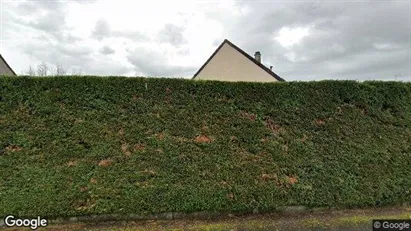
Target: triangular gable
(243, 53)
(5, 69)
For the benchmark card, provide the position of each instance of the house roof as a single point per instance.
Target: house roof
(1, 57)
(274, 75)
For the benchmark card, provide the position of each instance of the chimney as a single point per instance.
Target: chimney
(271, 68)
(257, 56)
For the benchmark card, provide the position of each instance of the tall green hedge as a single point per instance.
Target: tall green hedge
(95, 145)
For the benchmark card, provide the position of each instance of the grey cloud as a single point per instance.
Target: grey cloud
(57, 24)
(54, 15)
(172, 34)
(101, 30)
(341, 32)
(42, 43)
(348, 39)
(375, 62)
(107, 68)
(51, 23)
(66, 37)
(183, 51)
(357, 36)
(51, 19)
(107, 50)
(30, 7)
(135, 36)
(35, 5)
(154, 64)
(65, 54)
(50, 27)
(76, 57)
(388, 22)
(75, 50)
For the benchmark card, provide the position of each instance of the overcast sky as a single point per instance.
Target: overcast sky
(303, 40)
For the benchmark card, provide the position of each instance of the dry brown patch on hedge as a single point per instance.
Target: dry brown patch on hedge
(105, 163)
(72, 163)
(14, 148)
(202, 139)
(249, 116)
(124, 149)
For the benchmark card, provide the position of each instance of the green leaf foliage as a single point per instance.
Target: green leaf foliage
(95, 145)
